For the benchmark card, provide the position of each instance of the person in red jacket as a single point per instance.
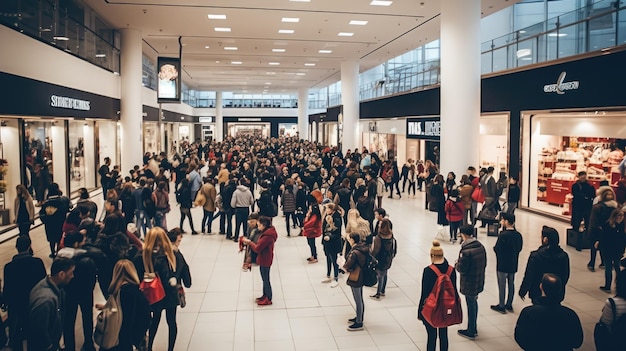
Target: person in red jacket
(264, 247)
(312, 229)
(455, 211)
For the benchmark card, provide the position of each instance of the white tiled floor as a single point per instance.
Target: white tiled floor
(308, 315)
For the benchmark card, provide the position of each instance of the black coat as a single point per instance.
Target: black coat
(508, 247)
(583, 195)
(471, 266)
(546, 259)
(20, 276)
(428, 283)
(135, 317)
(559, 324)
(612, 240)
(333, 245)
(165, 272)
(600, 213)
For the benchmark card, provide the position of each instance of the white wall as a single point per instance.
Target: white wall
(496, 25)
(30, 58)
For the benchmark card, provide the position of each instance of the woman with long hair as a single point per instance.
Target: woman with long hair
(135, 310)
(356, 224)
(24, 210)
(158, 259)
(384, 249)
(331, 231)
(312, 229)
(355, 264)
(611, 244)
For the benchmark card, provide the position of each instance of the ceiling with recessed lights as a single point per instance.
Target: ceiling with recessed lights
(241, 45)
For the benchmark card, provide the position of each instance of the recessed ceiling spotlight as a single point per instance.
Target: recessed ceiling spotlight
(300, 0)
(268, 83)
(345, 34)
(291, 19)
(230, 48)
(222, 29)
(309, 64)
(206, 46)
(274, 63)
(358, 23)
(325, 51)
(278, 50)
(286, 31)
(270, 73)
(300, 74)
(381, 3)
(235, 62)
(217, 17)
(101, 55)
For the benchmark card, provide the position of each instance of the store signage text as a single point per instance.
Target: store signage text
(205, 119)
(249, 119)
(561, 85)
(425, 128)
(70, 103)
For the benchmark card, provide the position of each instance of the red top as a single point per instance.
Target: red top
(454, 211)
(264, 247)
(312, 227)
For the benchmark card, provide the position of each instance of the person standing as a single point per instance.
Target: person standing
(264, 247)
(331, 239)
(549, 258)
(208, 208)
(508, 247)
(600, 214)
(560, 326)
(471, 267)
(465, 195)
(105, 176)
(455, 210)
(227, 195)
(52, 214)
(611, 243)
(312, 229)
(183, 196)
(288, 199)
(161, 200)
(241, 201)
(512, 196)
(355, 264)
(46, 303)
(20, 276)
(429, 279)
(24, 210)
(195, 181)
(582, 201)
(384, 250)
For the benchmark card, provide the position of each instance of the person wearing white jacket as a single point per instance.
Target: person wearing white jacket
(241, 202)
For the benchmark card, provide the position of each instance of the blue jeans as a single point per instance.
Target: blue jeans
(207, 221)
(331, 259)
(358, 302)
(142, 221)
(472, 313)
(267, 287)
(503, 280)
(382, 281)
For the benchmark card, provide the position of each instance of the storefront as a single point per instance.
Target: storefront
(325, 126)
(423, 135)
(207, 127)
(175, 129)
(263, 127)
(386, 137)
(62, 136)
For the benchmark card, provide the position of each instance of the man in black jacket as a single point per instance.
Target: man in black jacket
(507, 250)
(546, 325)
(549, 258)
(583, 194)
(227, 195)
(20, 276)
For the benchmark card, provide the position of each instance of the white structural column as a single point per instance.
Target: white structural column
(350, 102)
(303, 113)
(131, 117)
(460, 85)
(219, 117)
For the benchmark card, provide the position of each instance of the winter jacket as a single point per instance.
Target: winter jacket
(562, 325)
(183, 196)
(612, 240)
(288, 199)
(209, 192)
(455, 210)
(355, 263)
(333, 244)
(429, 278)
(52, 214)
(365, 205)
(264, 247)
(165, 272)
(508, 247)
(45, 316)
(242, 197)
(312, 226)
(384, 249)
(343, 198)
(583, 194)
(546, 259)
(471, 267)
(266, 205)
(465, 194)
(513, 193)
(227, 195)
(20, 276)
(30, 208)
(600, 214)
(85, 272)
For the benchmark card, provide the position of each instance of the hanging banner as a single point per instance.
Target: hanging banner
(169, 80)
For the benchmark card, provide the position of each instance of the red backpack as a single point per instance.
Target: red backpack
(443, 306)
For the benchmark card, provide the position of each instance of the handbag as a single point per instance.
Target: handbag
(152, 288)
(477, 195)
(109, 323)
(200, 199)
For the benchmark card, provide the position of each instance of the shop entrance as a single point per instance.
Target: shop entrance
(556, 146)
(259, 130)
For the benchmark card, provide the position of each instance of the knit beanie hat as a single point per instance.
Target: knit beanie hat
(436, 250)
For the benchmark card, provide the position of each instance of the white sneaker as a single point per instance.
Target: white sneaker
(327, 280)
(334, 284)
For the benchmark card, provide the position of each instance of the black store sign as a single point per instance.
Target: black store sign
(427, 128)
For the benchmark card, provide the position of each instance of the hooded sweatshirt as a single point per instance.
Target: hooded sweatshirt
(242, 197)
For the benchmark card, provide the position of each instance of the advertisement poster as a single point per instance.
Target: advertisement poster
(168, 87)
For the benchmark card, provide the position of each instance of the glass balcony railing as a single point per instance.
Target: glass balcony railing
(42, 20)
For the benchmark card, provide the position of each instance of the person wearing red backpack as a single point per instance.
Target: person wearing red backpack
(471, 266)
(455, 211)
(430, 277)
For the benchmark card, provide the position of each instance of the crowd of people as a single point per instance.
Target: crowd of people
(336, 199)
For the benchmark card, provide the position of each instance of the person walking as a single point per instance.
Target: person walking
(20, 276)
(24, 210)
(600, 214)
(52, 214)
(288, 199)
(355, 264)
(582, 201)
(264, 247)
(611, 243)
(208, 208)
(429, 279)
(384, 250)
(161, 199)
(507, 249)
(471, 267)
(184, 199)
(312, 229)
(331, 240)
(547, 325)
(241, 201)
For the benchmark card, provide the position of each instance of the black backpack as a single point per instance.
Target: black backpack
(608, 338)
(369, 271)
(385, 255)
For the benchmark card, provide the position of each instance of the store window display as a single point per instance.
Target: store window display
(37, 153)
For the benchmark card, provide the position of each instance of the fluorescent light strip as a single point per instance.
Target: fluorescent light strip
(325, 51)
(309, 64)
(230, 48)
(345, 34)
(236, 62)
(101, 55)
(222, 29)
(300, 0)
(381, 3)
(278, 50)
(61, 38)
(217, 17)
(274, 63)
(291, 19)
(358, 23)
(300, 74)
(286, 31)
